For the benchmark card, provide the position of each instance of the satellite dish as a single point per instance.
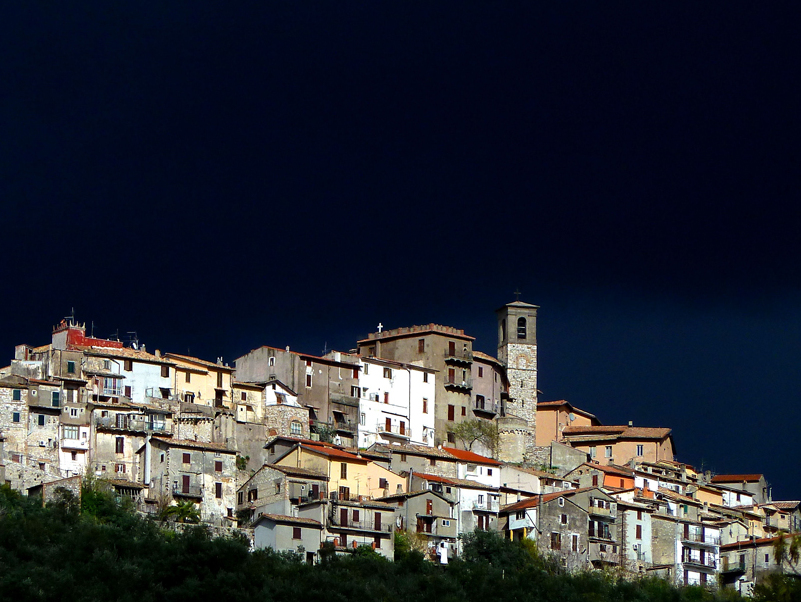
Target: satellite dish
(571, 416)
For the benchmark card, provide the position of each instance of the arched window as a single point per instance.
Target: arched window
(296, 428)
(503, 329)
(521, 328)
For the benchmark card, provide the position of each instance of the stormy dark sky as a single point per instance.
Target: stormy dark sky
(220, 177)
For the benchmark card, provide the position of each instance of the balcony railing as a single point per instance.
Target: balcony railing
(459, 383)
(707, 562)
(347, 426)
(393, 429)
(459, 355)
(363, 525)
(487, 505)
(486, 407)
(733, 567)
(346, 400)
(593, 509)
(703, 538)
(74, 443)
(131, 424)
(187, 491)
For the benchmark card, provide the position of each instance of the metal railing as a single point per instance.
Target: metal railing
(708, 561)
(394, 429)
(131, 424)
(488, 505)
(593, 509)
(459, 355)
(705, 538)
(463, 383)
(190, 490)
(363, 525)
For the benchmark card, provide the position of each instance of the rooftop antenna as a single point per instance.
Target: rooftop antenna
(325, 348)
(115, 336)
(134, 339)
(71, 317)
(92, 333)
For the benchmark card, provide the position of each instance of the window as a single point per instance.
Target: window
(595, 480)
(639, 450)
(56, 399)
(127, 365)
(218, 490)
(74, 412)
(187, 458)
(481, 371)
(521, 328)
(355, 391)
(489, 472)
(480, 402)
(383, 483)
(451, 412)
(16, 395)
(119, 468)
(70, 367)
(240, 498)
(362, 419)
(574, 545)
(387, 372)
(70, 432)
(343, 471)
(41, 420)
(243, 396)
(295, 428)
(218, 465)
(355, 373)
(308, 381)
(639, 514)
(561, 502)
(425, 377)
(608, 451)
(188, 377)
(367, 368)
(556, 541)
(464, 411)
(74, 456)
(296, 533)
(127, 390)
(563, 519)
(165, 372)
(106, 365)
(451, 438)
(386, 396)
(432, 461)
(162, 457)
(639, 532)
(421, 346)
(425, 405)
(308, 363)
(356, 516)
(119, 445)
(219, 380)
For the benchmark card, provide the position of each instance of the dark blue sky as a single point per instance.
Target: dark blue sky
(217, 178)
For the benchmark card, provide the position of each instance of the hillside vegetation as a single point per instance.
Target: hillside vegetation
(105, 551)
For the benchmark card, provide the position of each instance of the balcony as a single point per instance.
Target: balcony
(708, 562)
(345, 400)
(459, 384)
(486, 505)
(733, 567)
(605, 512)
(363, 525)
(393, 430)
(345, 426)
(701, 538)
(458, 356)
(82, 444)
(601, 553)
(137, 425)
(485, 407)
(190, 491)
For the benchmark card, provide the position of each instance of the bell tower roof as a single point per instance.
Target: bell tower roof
(517, 304)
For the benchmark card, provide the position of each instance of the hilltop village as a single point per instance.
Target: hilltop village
(412, 431)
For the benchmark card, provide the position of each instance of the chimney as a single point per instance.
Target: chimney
(158, 353)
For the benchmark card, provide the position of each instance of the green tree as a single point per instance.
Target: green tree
(182, 512)
(476, 430)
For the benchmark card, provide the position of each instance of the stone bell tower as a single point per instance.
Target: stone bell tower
(517, 350)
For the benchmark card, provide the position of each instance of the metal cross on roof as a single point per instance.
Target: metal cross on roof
(380, 326)
(517, 294)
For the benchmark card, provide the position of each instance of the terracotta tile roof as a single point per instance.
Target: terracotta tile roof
(124, 352)
(333, 452)
(294, 471)
(562, 402)
(534, 471)
(786, 505)
(617, 432)
(736, 478)
(290, 520)
(414, 449)
(195, 360)
(468, 456)
(485, 357)
(533, 502)
(752, 543)
(194, 444)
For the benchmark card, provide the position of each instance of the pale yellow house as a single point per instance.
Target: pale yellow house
(553, 417)
(349, 475)
(201, 382)
(620, 444)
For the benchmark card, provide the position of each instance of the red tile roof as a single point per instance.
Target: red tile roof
(533, 502)
(194, 444)
(195, 360)
(456, 482)
(736, 478)
(333, 452)
(751, 543)
(291, 520)
(468, 456)
(621, 432)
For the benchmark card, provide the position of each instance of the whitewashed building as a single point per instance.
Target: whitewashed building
(396, 403)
